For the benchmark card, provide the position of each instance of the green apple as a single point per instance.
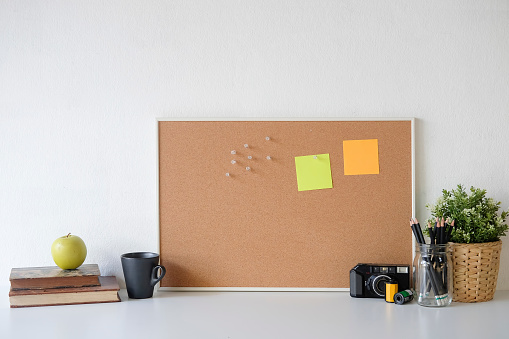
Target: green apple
(69, 252)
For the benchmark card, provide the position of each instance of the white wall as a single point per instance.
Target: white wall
(82, 82)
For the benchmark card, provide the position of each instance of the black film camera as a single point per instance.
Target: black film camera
(368, 280)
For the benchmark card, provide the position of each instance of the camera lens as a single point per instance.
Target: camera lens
(376, 283)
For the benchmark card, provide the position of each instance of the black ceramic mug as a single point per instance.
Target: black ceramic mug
(140, 273)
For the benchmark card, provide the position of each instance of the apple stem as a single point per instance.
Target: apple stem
(67, 236)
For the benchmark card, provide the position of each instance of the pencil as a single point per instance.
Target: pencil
(435, 230)
(431, 234)
(412, 226)
(442, 231)
(450, 231)
(415, 230)
(419, 231)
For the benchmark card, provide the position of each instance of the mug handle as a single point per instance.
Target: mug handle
(155, 279)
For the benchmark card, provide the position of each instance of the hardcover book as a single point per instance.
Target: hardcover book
(107, 291)
(54, 277)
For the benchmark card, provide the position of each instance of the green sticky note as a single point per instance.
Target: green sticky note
(313, 172)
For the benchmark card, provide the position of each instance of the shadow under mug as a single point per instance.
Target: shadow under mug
(140, 273)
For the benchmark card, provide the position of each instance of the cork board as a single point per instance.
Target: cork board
(254, 228)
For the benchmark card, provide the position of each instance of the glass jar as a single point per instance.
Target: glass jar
(433, 275)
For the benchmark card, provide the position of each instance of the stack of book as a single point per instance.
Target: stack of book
(51, 285)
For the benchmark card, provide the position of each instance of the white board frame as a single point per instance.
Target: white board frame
(271, 289)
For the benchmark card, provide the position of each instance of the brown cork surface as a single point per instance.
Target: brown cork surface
(254, 228)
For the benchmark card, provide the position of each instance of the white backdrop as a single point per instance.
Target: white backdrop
(82, 83)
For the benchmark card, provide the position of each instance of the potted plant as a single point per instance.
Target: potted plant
(475, 240)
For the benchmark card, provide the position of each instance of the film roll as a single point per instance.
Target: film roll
(402, 297)
(391, 288)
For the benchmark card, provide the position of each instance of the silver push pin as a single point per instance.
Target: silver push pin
(234, 161)
(246, 145)
(227, 174)
(315, 157)
(249, 157)
(267, 138)
(268, 157)
(233, 152)
(248, 168)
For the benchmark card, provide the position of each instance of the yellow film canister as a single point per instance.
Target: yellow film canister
(391, 288)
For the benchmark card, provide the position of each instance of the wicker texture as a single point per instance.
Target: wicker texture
(475, 270)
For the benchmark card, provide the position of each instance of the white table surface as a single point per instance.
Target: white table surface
(234, 315)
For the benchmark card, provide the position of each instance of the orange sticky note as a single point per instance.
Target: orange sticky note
(361, 157)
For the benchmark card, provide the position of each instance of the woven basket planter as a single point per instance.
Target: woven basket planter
(475, 270)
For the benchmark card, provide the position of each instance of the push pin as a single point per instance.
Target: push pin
(249, 157)
(267, 138)
(227, 174)
(234, 161)
(233, 152)
(315, 157)
(246, 145)
(248, 168)
(268, 157)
